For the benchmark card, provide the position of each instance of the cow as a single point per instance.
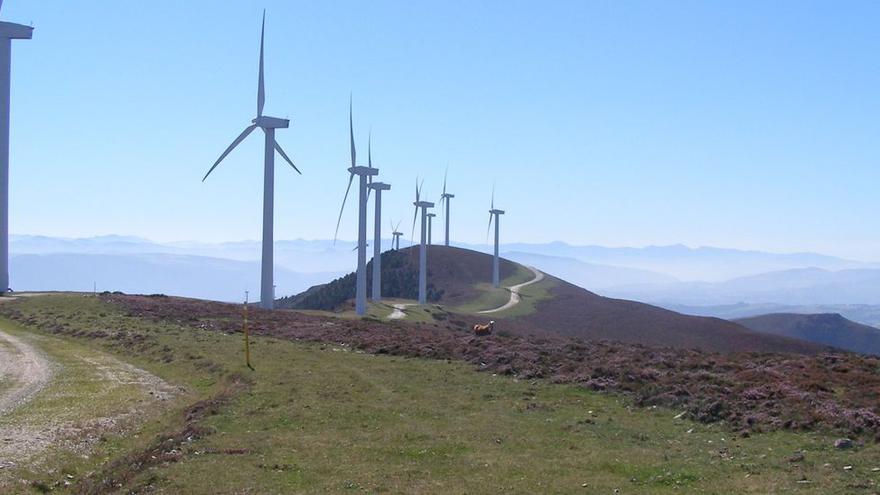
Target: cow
(481, 330)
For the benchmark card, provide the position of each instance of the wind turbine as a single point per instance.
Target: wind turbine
(496, 215)
(396, 234)
(445, 197)
(363, 173)
(423, 248)
(377, 228)
(430, 223)
(268, 125)
(8, 32)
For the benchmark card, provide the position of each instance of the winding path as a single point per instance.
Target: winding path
(514, 292)
(399, 312)
(24, 371)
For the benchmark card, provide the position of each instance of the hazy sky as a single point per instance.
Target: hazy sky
(736, 124)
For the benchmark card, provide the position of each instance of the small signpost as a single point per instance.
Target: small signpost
(247, 343)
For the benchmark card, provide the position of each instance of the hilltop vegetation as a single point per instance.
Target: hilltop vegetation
(319, 415)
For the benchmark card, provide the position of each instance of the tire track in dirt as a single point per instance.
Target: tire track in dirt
(24, 368)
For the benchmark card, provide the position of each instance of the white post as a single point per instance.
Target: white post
(267, 300)
(430, 225)
(495, 275)
(361, 292)
(447, 221)
(423, 261)
(377, 249)
(5, 79)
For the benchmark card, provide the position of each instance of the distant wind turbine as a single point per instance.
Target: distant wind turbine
(364, 174)
(496, 215)
(423, 248)
(445, 197)
(8, 32)
(395, 232)
(430, 228)
(377, 228)
(268, 125)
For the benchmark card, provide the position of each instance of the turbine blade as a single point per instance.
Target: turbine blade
(339, 221)
(261, 89)
(493, 195)
(444, 179)
(351, 130)
(231, 147)
(286, 158)
(412, 235)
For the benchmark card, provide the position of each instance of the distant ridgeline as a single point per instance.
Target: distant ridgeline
(400, 279)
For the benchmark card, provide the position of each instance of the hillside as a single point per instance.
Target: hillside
(458, 281)
(453, 275)
(576, 312)
(827, 329)
(337, 405)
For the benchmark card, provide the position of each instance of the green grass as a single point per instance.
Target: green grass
(326, 419)
(87, 391)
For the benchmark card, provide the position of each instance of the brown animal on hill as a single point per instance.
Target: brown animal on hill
(484, 329)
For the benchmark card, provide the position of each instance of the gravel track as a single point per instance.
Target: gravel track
(22, 366)
(514, 292)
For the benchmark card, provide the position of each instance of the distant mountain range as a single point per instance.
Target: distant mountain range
(696, 280)
(180, 275)
(827, 329)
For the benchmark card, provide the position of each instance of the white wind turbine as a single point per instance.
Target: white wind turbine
(268, 125)
(496, 215)
(445, 197)
(8, 32)
(423, 248)
(364, 174)
(377, 227)
(430, 226)
(396, 234)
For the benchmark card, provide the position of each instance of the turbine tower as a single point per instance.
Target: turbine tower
(377, 228)
(423, 248)
(496, 215)
(8, 32)
(430, 224)
(444, 198)
(364, 174)
(395, 232)
(268, 125)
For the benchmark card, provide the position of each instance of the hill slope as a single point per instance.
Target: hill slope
(457, 277)
(828, 329)
(577, 312)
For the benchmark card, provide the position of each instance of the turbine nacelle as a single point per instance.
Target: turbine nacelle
(423, 204)
(12, 31)
(271, 122)
(379, 186)
(361, 170)
(432, 215)
(447, 195)
(496, 212)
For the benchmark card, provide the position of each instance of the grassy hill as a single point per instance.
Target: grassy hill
(458, 281)
(827, 329)
(333, 407)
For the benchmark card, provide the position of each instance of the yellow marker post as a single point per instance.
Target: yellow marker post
(247, 343)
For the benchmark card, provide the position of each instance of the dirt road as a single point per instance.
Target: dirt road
(514, 292)
(24, 371)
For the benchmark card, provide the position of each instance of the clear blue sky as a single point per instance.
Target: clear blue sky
(737, 124)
